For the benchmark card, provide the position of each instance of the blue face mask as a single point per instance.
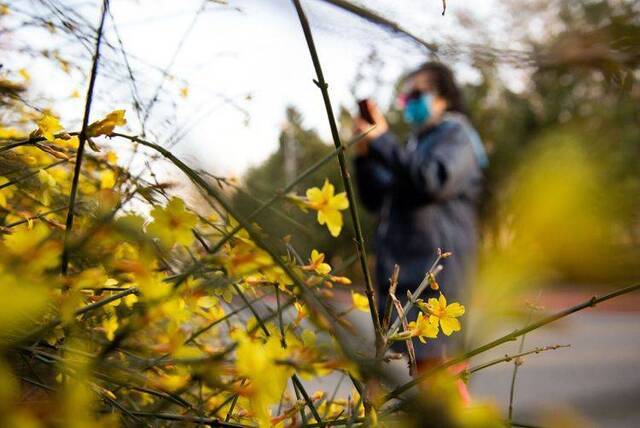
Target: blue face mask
(418, 110)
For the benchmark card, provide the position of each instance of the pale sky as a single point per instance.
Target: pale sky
(248, 47)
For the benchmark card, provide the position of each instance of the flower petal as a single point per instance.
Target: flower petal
(449, 325)
(339, 201)
(442, 301)
(454, 310)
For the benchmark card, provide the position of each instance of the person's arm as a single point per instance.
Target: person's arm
(373, 181)
(435, 174)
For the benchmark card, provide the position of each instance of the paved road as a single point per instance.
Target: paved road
(597, 378)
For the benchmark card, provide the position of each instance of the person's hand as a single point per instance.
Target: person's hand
(361, 126)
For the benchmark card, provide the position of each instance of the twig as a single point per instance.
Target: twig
(28, 219)
(388, 308)
(514, 357)
(405, 325)
(186, 418)
(516, 366)
(82, 140)
(314, 412)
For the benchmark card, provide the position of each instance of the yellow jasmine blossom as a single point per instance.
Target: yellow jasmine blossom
(32, 244)
(170, 382)
(24, 74)
(48, 125)
(110, 325)
(316, 263)
(303, 312)
(328, 206)
(360, 302)
(130, 300)
(105, 126)
(173, 223)
(446, 314)
(423, 327)
(112, 157)
(5, 192)
(259, 362)
(45, 178)
(107, 179)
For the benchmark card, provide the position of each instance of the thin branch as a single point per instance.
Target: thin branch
(516, 366)
(28, 219)
(405, 325)
(514, 357)
(190, 419)
(307, 400)
(82, 140)
(388, 309)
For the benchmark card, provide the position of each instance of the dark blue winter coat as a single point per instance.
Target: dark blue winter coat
(425, 193)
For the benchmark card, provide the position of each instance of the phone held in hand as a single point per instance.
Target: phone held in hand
(365, 113)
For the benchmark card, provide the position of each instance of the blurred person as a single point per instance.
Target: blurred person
(424, 192)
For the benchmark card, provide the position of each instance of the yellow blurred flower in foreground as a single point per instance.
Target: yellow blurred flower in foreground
(360, 302)
(328, 206)
(48, 125)
(259, 362)
(105, 126)
(173, 223)
(110, 325)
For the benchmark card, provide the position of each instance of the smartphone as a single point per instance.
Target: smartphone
(363, 106)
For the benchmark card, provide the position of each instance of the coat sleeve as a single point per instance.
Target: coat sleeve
(433, 173)
(373, 181)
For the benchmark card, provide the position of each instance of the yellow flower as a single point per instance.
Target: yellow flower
(110, 325)
(316, 263)
(328, 206)
(423, 327)
(107, 179)
(24, 74)
(360, 302)
(172, 223)
(32, 244)
(48, 125)
(259, 363)
(5, 192)
(46, 179)
(446, 314)
(105, 126)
